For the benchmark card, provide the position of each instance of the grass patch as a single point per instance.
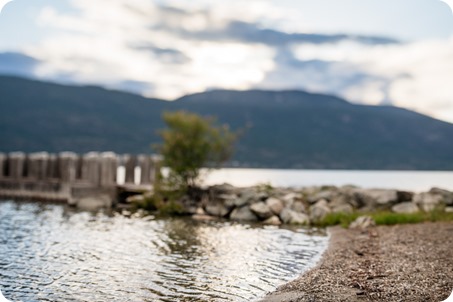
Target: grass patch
(343, 219)
(390, 218)
(386, 218)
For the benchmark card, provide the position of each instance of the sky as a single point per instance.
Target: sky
(392, 52)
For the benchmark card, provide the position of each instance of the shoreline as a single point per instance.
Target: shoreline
(384, 263)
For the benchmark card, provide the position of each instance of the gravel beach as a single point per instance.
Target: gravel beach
(385, 263)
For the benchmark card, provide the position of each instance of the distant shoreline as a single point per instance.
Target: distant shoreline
(379, 264)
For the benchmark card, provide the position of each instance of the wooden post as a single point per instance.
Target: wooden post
(52, 167)
(109, 164)
(91, 168)
(131, 162)
(145, 163)
(67, 162)
(2, 165)
(16, 162)
(37, 168)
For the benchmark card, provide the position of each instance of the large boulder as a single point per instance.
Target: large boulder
(350, 195)
(229, 200)
(342, 204)
(372, 199)
(405, 208)
(218, 209)
(342, 208)
(246, 196)
(243, 214)
(324, 194)
(446, 195)
(298, 206)
(261, 210)
(405, 196)
(319, 210)
(428, 201)
(276, 205)
(289, 216)
(223, 189)
(290, 198)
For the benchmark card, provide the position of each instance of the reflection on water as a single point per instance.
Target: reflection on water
(49, 253)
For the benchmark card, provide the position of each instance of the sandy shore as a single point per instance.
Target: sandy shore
(385, 263)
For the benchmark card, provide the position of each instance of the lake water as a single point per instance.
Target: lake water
(53, 253)
(403, 180)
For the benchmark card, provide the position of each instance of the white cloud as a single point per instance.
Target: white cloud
(111, 46)
(413, 75)
(109, 42)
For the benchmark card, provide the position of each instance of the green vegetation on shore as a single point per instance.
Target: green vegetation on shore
(189, 143)
(386, 217)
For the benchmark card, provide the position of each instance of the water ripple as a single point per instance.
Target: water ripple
(52, 253)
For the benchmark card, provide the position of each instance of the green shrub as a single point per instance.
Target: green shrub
(191, 142)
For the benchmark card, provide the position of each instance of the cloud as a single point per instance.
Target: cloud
(411, 75)
(189, 46)
(252, 33)
(165, 55)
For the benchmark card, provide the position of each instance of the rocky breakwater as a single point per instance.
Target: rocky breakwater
(305, 206)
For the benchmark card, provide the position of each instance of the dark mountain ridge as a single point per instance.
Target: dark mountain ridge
(282, 129)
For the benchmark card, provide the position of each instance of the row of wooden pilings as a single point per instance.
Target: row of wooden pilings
(91, 180)
(94, 168)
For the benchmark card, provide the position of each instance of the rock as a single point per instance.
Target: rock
(217, 209)
(290, 198)
(447, 195)
(243, 214)
(200, 211)
(373, 199)
(319, 210)
(292, 217)
(94, 203)
(325, 194)
(298, 206)
(261, 210)
(274, 220)
(226, 197)
(449, 210)
(222, 189)
(428, 201)
(276, 205)
(362, 222)
(404, 196)
(341, 204)
(342, 208)
(405, 207)
(247, 196)
(261, 196)
(229, 200)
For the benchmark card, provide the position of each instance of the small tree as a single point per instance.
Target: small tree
(190, 143)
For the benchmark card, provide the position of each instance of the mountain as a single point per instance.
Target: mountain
(281, 129)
